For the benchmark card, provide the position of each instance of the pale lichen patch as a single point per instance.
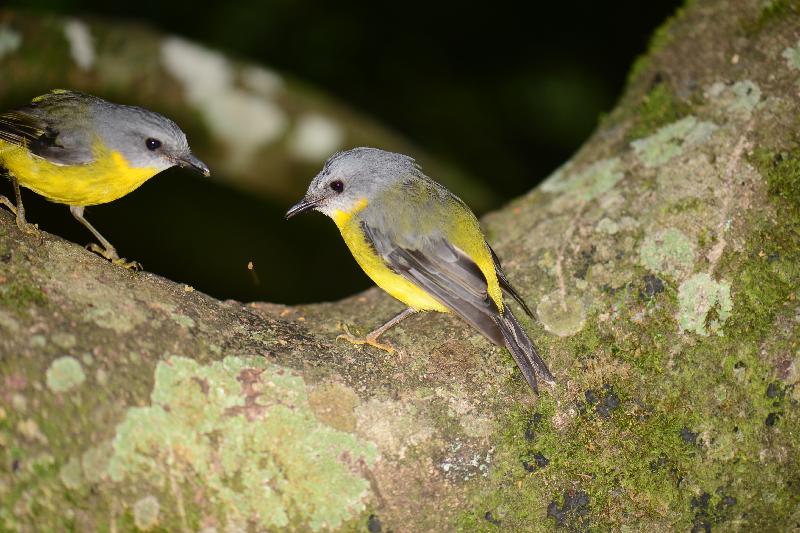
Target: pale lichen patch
(70, 474)
(81, 46)
(177, 317)
(10, 40)
(698, 297)
(668, 252)
(95, 462)
(64, 340)
(608, 226)
(562, 315)
(145, 513)
(64, 374)
(739, 99)
(394, 426)
(29, 430)
(586, 185)
(244, 430)
(792, 56)
(672, 140)
(8, 322)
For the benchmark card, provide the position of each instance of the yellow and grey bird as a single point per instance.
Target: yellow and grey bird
(421, 244)
(80, 150)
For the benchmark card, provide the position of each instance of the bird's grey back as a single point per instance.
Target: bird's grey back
(408, 205)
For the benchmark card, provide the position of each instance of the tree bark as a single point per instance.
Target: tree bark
(663, 261)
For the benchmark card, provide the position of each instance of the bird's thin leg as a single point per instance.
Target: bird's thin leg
(18, 209)
(9, 204)
(372, 337)
(107, 250)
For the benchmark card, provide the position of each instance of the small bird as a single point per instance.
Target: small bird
(421, 244)
(79, 150)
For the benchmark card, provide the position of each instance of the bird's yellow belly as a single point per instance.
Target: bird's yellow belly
(106, 179)
(374, 267)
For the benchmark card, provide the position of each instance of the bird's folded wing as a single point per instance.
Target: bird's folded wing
(21, 128)
(35, 129)
(443, 271)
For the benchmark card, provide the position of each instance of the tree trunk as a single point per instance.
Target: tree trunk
(663, 261)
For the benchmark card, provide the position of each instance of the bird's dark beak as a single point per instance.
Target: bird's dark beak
(303, 205)
(192, 163)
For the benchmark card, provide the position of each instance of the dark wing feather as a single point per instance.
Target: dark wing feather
(506, 285)
(20, 128)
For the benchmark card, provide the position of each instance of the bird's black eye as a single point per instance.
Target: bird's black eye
(337, 186)
(153, 144)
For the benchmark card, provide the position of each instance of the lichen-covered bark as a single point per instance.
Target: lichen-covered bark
(664, 261)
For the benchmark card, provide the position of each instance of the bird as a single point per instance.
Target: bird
(81, 150)
(421, 244)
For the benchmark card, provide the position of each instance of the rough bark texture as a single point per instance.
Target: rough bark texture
(664, 263)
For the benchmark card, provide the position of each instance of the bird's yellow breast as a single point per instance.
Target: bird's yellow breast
(374, 267)
(107, 178)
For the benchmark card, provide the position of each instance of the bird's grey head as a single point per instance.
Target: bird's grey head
(349, 178)
(144, 138)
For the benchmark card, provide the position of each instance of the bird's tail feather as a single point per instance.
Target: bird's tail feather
(523, 350)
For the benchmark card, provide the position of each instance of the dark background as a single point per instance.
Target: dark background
(504, 94)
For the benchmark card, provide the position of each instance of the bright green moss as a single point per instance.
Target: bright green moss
(658, 108)
(782, 172)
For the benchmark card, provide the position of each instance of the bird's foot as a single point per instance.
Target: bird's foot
(372, 340)
(24, 226)
(111, 255)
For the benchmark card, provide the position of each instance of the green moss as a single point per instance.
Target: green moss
(660, 38)
(772, 11)
(782, 172)
(658, 108)
(613, 458)
(18, 296)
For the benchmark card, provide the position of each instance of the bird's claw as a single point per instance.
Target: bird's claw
(24, 226)
(130, 265)
(111, 255)
(372, 341)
